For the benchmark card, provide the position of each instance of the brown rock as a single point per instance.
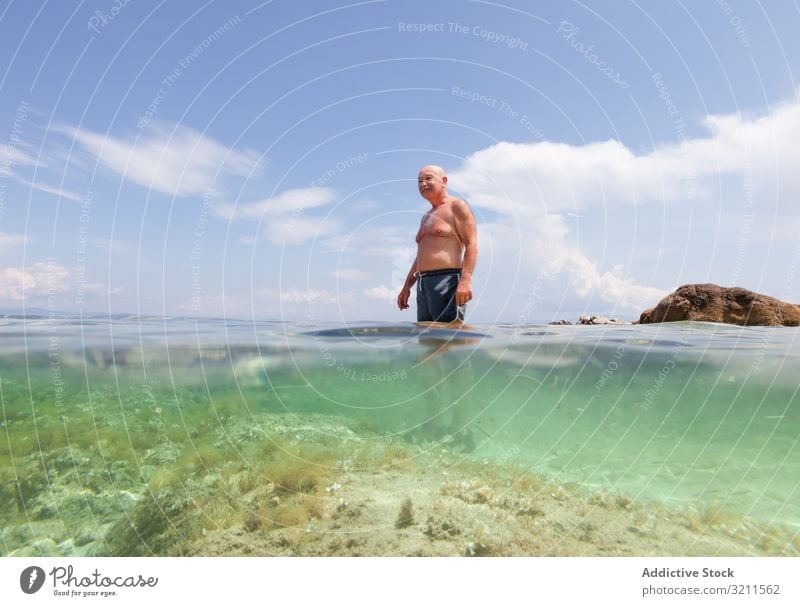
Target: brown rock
(712, 303)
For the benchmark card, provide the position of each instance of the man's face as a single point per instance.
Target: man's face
(430, 182)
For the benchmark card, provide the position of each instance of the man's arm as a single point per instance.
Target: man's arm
(468, 233)
(402, 298)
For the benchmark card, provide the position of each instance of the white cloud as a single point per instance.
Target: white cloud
(291, 230)
(49, 284)
(351, 274)
(10, 155)
(290, 202)
(612, 286)
(531, 187)
(173, 159)
(283, 218)
(57, 191)
(270, 303)
(382, 293)
(10, 241)
(39, 280)
(535, 258)
(378, 243)
(267, 296)
(375, 242)
(307, 295)
(546, 177)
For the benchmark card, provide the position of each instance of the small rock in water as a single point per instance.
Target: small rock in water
(598, 320)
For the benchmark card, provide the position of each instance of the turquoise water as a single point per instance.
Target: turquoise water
(100, 414)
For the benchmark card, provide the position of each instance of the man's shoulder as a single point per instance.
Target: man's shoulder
(459, 206)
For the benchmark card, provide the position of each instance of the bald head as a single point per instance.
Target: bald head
(433, 169)
(432, 183)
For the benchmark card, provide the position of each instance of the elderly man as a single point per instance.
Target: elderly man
(447, 248)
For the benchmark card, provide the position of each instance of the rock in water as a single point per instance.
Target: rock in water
(597, 320)
(712, 303)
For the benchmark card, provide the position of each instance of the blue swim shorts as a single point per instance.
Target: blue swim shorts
(436, 296)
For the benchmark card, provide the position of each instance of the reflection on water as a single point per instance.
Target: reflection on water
(126, 436)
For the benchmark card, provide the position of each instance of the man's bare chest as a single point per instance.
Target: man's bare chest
(437, 224)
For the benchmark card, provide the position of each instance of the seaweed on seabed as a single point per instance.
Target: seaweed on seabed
(154, 527)
(406, 516)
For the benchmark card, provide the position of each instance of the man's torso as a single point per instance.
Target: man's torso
(438, 243)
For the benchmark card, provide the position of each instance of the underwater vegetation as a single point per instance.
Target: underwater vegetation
(146, 471)
(406, 516)
(281, 484)
(125, 463)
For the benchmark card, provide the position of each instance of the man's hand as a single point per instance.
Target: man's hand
(402, 298)
(464, 291)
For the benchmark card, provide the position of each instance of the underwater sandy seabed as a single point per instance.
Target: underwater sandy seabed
(206, 451)
(314, 485)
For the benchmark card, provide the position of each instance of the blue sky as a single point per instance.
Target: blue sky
(248, 159)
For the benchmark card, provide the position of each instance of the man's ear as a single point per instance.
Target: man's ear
(444, 180)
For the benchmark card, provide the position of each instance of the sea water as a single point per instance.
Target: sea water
(99, 414)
